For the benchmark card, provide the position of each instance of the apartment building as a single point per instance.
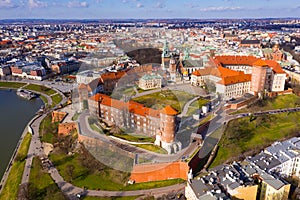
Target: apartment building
(28, 70)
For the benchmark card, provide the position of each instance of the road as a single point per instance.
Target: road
(266, 112)
(154, 157)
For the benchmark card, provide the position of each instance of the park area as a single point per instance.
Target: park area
(83, 170)
(279, 102)
(159, 100)
(249, 135)
(10, 190)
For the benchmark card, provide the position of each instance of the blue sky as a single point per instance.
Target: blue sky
(124, 9)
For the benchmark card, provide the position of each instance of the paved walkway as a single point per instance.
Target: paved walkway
(186, 107)
(36, 148)
(154, 157)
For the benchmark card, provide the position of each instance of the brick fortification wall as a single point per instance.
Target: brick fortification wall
(85, 139)
(159, 171)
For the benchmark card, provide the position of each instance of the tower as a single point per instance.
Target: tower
(165, 55)
(166, 136)
(172, 69)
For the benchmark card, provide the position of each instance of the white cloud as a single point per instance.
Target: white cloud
(208, 9)
(36, 4)
(139, 5)
(7, 4)
(159, 5)
(77, 4)
(191, 5)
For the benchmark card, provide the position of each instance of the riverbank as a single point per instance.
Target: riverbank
(13, 164)
(10, 165)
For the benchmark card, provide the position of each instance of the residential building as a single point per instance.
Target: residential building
(250, 43)
(64, 66)
(28, 70)
(198, 190)
(271, 187)
(288, 155)
(87, 76)
(223, 182)
(5, 70)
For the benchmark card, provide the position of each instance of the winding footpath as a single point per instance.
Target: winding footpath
(35, 149)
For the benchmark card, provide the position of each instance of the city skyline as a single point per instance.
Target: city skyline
(146, 9)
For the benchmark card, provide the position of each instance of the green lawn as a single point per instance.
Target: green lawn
(159, 100)
(102, 178)
(40, 88)
(94, 124)
(48, 130)
(75, 116)
(196, 105)
(140, 90)
(250, 135)
(44, 99)
(279, 102)
(152, 147)
(56, 99)
(134, 138)
(96, 128)
(111, 198)
(41, 184)
(10, 190)
(206, 119)
(119, 92)
(22, 153)
(11, 84)
(97, 176)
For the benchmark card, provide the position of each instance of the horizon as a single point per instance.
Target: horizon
(144, 9)
(145, 19)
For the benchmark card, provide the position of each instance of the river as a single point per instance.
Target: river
(15, 113)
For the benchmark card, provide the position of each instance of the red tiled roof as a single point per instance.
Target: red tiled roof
(229, 80)
(132, 106)
(275, 66)
(236, 60)
(112, 76)
(82, 86)
(168, 110)
(247, 60)
(197, 73)
(260, 63)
